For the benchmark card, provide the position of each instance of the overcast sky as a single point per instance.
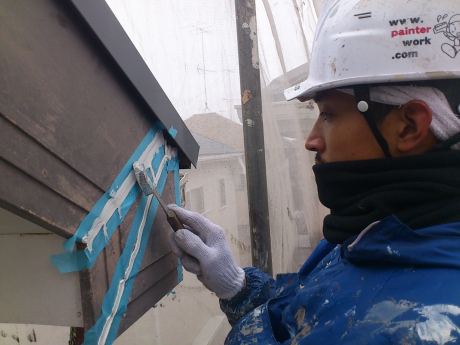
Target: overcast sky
(191, 47)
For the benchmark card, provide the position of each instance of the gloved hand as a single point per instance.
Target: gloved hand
(204, 251)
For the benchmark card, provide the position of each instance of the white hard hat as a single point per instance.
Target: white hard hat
(379, 42)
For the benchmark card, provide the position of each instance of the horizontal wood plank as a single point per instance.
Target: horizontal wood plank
(147, 300)
(25, 197)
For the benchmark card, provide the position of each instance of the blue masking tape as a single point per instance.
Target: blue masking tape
(93, 335)
(172, 132)
(74, 261)
(180, 276)
(70, 262)
(176, 182)
(84, 259)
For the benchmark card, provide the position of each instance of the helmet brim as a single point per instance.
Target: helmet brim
(308, 90)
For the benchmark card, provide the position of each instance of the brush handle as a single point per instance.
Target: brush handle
(173, 220)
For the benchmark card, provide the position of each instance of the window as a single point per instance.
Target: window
(195, 198)
(240, 182)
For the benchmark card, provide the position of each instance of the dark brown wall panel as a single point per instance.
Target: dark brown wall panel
(70, 119)
(59, 86)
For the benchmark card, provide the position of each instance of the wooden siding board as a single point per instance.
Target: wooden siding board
(24, 196)
(112, 252)
(152, 274)
(29, 156)
(158, 242)
(86, 288)
(59, 85)
(147, 300)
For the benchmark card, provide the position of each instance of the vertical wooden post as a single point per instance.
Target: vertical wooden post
(256, 176)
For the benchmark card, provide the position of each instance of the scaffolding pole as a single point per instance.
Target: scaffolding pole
(256, 175)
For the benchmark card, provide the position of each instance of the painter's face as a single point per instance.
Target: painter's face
(454, 29)
(341, 133)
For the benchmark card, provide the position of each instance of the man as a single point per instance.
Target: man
(388, 167)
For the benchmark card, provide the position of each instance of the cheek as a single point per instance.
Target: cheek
(351, 141)
(340, 137)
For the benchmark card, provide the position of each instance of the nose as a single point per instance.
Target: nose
(315, 140)
(314, 143)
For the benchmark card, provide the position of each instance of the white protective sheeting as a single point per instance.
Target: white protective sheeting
(286, 30)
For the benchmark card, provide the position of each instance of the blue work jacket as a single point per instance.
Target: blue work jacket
(393, 285)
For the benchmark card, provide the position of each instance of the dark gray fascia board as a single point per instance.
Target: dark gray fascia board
(107, 28)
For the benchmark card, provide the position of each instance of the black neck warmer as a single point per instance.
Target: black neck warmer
(421, 190)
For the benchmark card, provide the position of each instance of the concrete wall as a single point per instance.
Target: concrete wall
(31, 289)
(33, 293)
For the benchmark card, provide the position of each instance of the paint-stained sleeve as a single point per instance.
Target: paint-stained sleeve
(260, 287)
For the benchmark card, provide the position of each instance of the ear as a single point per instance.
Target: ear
(415, 136)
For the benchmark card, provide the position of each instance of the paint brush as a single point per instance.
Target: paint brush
(149, 188)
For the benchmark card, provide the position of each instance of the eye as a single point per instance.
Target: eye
(325, 115)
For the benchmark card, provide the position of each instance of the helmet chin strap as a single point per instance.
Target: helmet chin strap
(363, 100)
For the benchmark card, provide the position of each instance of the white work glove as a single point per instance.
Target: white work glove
(204, 251)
